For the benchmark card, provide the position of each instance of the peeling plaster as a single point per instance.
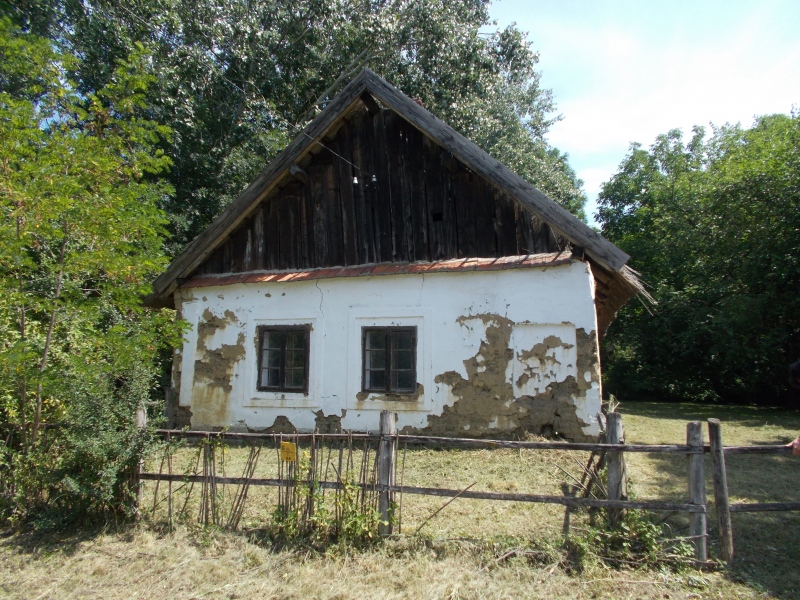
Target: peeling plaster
(499, 353)
(213, 369)
(329, 423)
(485, 402)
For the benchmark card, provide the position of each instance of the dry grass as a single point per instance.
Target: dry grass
(460, 554)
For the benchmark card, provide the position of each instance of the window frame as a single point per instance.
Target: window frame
(388, 369)
(263, 329)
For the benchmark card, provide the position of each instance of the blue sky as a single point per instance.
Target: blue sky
(624, 71)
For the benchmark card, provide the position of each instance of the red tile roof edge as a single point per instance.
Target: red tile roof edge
(454, 265)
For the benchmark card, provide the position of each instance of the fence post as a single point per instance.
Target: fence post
(721, 491)
(617, 479)
(697, 492)
(386, 470)
(141, 423)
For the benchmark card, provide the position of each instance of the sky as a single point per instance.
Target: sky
(625, 71)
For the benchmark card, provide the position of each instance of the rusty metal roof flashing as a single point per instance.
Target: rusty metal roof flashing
(456, 265)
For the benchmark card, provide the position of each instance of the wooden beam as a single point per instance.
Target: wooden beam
(370, 104)
(298, 173)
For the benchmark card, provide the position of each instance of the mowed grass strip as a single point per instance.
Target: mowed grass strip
(462, 552)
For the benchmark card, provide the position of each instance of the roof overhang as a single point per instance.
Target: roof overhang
(361, 91)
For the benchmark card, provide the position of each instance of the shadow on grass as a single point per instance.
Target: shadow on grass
(745, 416)
(66, 541)
(766, 553)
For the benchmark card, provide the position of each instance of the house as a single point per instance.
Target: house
(383, 261)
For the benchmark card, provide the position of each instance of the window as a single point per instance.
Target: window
(283, 358)
(390, 361)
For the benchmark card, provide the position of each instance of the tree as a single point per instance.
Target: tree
(237, 80)
(714, 226)
(80, 240)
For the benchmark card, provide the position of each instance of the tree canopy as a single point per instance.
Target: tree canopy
(237, 80)
(713, 224)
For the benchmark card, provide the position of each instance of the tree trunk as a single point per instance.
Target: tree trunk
(43, 363)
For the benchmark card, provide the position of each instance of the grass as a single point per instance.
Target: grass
(472, 549)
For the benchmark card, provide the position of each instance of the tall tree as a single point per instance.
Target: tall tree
(80, 239)
(714, 226)
(236, 80)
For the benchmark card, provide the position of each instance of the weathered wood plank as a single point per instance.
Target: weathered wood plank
(698, 527)
(381, 192)
(435, 194)
(479, 161)
(419, 199)
(445, 493)
(345, 175)
(485, 233)
(258, 239)
(363, 158)
(317, 193)
(204, 244)
(721, 500)
(332, 208)
(741, 507)
(505, 226)
(462, 187)
(395, 172)
(272, 229)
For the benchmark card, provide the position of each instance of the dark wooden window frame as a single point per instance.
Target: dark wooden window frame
(261, 330)
(389, 330)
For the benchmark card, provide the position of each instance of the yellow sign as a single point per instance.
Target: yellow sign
(288, 452)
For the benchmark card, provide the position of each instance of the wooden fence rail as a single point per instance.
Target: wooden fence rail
(611, 454)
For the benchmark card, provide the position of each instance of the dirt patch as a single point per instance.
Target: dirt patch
(485, 405)
(281, 425)
(329, 423)
(181, 416)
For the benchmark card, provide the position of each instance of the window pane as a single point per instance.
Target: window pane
(376, 339)
(402, 340)
(403, 381)
(376, 359)
(295, 358)
(270, 378)
(295, 378)
(295, 339)
(272, 359)
(272, 340)
(376, 380)
(403, 359)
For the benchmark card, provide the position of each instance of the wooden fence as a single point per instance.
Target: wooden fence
(609, 453)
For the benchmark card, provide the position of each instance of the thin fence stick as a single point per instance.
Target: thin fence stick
(438, 510)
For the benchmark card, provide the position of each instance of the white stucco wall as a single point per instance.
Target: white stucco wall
(453, 313)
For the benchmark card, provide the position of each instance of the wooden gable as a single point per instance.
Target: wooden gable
(378, 191)
(365, 184)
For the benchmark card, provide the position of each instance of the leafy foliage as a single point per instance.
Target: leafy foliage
(636, 541)
(714, 226)
(237, 80)
(80, 239)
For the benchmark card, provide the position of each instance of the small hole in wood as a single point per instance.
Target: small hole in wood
(438, 217)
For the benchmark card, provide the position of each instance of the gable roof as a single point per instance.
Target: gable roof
(364, 88)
